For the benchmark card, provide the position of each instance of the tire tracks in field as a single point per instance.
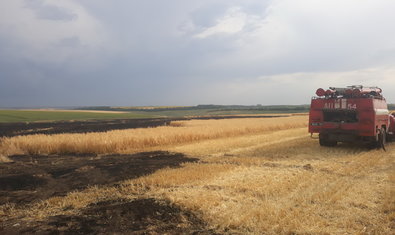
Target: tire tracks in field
(274, 141)
(339, 191)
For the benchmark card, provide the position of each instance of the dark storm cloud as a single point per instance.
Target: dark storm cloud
(130, 52)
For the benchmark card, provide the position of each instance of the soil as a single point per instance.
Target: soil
(26, 128)
(141, 216)
(31, 178)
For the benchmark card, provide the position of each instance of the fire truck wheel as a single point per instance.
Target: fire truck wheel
(331, 143)
(324, 141)
(389, 138)
(383, 138)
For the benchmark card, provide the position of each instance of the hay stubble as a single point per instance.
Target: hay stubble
(254, 176)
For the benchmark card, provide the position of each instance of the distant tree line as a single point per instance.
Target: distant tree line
(259, 107)
(282, 108)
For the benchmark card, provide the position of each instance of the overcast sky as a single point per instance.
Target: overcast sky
(178, 52)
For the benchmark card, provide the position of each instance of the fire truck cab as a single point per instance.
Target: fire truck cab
(351, 114)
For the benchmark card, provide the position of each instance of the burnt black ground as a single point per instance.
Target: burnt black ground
(141, 216)
(32, 178)
(21, 128)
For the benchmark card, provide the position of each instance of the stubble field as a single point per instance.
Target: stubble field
(238, 176)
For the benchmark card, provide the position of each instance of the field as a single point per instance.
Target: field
(227, 176)
(100, 113)
(61, 115)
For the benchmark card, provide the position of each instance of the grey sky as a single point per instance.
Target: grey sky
(177, 52)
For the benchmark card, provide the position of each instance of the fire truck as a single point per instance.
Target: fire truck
(351, 114)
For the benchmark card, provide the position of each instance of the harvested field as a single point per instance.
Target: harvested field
(251, 176)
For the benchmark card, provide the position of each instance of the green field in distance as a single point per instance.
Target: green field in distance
(33, 116)
(96, 112)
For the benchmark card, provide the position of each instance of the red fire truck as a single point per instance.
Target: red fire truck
(351, 114)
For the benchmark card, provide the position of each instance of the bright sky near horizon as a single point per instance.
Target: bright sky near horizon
(177, 52)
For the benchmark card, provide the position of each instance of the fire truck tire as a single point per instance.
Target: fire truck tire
(383, 138)
(390, 137)
(331, 143)
(324, 141)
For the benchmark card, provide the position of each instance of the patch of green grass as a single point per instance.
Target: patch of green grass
(144, 112)
(34, 116)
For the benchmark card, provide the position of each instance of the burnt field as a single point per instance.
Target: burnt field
(30, 179)
(29, 128)
(140, 216)
(15, 129)
(236, 175)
